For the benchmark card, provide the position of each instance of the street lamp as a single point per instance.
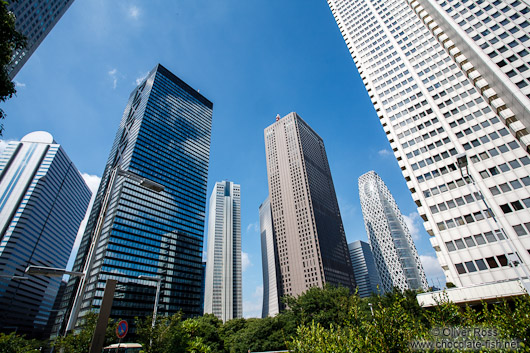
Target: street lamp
(50, 272)
(116, 171)
(158, 281)
(14, 278)
(463, 165)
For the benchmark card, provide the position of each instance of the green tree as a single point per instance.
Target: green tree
(265, 334)
(326, 306)
(79, 341)
(13, 343)
(208, 327)
(168, 334)
(229, 333)
(10, 40)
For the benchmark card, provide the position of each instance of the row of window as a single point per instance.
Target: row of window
(459, 201)
(512, 185)
(475, 240)
(516, 205)
(444, 187)
(437, 172)
(425, 136)
(435, 158)
(504, 167)
(480, 264)
(495, 151)
(466, 219)
(482, 139)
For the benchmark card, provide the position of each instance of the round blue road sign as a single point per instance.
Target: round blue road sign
(122, 328)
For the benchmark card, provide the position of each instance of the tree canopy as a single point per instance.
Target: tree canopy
(10, 41)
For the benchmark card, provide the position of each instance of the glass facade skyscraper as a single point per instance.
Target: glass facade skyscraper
(449, 81)
(43, 200)
(223, 291)
(164, 136)
(364, 269)
(34, 19)
(395, 255)
(309, 235)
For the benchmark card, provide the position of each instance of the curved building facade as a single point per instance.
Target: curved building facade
(394, 252)
(43, 200)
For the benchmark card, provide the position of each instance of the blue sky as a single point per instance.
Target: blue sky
(252, 59)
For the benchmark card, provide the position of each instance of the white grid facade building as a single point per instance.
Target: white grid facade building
(395, 255)
(438, 97)
(222, 289)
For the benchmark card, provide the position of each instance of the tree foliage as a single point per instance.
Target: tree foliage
(397, 320)
(12, 343)
(79, 341)
(318, 321)
(10, 40)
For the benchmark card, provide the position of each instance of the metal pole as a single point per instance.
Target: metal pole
(90, 257)
(155, 310)
(98, 339)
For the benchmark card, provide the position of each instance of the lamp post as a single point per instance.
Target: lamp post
(158, 281)
(14, 278)
(463, 165)
(116, 171)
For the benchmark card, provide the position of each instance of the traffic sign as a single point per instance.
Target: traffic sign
(122, 328)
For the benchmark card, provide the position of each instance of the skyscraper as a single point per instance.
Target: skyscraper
(269, 262)
(395, 255)
(43, 201)
(34, 19)
(222, 294)
(309, 235)
(449, 82)
(164, 137)
(364, 269)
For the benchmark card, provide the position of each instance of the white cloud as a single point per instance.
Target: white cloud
(253, 227)
(252, 308)
(412, 223)
(245, 261)
(19, 84)
(141, 78)
(92, 182)
(384, 153)
(433, 270)
(113, 75)
(134, 12)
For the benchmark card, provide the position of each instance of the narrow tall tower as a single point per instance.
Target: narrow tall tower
(222, 293)
(395, 255)
(309, 234)
(163, 139)
(269, 262)
(449, 81)
(43, 201)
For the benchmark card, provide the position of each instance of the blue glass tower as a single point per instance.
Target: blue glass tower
(43, 199)
(364, 269)
(164, 136)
